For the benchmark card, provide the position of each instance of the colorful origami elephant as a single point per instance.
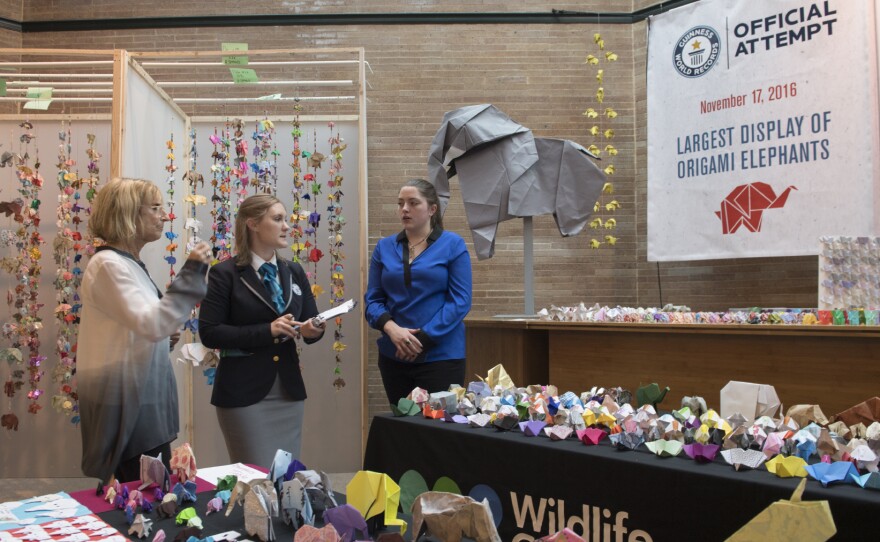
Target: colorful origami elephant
(183, 462)
(745, 205)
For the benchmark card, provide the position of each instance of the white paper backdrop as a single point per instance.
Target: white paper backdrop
(46, 444)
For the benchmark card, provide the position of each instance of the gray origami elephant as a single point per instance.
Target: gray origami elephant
(505, 172)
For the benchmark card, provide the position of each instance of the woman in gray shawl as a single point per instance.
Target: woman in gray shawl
(127, 390)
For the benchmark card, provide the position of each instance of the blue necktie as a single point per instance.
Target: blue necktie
(269, 273)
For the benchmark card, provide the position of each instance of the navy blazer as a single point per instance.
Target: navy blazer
(236, 317)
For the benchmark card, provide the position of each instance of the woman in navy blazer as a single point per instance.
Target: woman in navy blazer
(256, 303)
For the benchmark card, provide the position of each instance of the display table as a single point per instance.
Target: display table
(621, 495)
(97, 509)
(834, 366)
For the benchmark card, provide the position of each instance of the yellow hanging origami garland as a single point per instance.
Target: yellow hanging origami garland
(601, 143)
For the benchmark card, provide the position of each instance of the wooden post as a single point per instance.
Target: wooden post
(117, 123)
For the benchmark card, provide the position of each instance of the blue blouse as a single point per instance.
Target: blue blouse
(432, 294)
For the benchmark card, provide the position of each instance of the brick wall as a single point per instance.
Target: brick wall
(12, 10)
(10, 38)
(537, 75)
(54, 10)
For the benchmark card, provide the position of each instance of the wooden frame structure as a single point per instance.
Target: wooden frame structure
(118, 68)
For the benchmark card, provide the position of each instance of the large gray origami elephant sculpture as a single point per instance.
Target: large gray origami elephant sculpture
(505, 172)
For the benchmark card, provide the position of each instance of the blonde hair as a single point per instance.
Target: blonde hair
(116, 209)
(253, 208)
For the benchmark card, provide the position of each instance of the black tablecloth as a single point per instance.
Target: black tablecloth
(616, 496)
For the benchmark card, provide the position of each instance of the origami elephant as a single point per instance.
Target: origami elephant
(651, 394)
(260, 506)
(745, 206)
(283, 467)
(153, 471)
(505, 172)
(449, 517)
(295, 504)
(346, 520)
(9, 421)
(307, 533)
(305, 494)
(9, 159)
(183, 462)
(696, 403)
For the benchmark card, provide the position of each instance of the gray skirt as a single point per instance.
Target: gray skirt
(253, 433)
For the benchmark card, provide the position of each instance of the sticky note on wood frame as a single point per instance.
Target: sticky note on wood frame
(41, 98)
(234, 60)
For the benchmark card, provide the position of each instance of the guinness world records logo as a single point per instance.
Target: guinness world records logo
(696, 51)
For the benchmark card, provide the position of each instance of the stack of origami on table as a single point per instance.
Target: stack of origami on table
(754, 433)
(505, 172)
(683, 315)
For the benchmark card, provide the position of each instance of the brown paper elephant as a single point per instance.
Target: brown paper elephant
(449, 517)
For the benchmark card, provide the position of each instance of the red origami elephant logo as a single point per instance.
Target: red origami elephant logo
(746, 204)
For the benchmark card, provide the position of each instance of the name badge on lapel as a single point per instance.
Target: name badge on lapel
(296, 289)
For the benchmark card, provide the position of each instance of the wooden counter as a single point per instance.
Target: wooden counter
(834, 366)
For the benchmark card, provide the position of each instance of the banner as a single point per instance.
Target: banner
(762, 127)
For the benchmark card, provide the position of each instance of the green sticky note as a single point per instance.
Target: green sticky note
(38, 104)
(234, 60)
(2, 87)
(270, 97)
(243, 75)
(41, 98)
(39, 93)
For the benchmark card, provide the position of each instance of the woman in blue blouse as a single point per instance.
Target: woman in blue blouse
(418, 294)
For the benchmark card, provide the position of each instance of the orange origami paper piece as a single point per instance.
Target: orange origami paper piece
(429, 412)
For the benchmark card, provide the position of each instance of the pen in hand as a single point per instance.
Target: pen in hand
(315, 322)
(287, 337)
